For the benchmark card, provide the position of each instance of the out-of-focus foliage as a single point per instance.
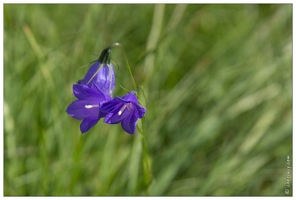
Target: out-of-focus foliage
(218, 81)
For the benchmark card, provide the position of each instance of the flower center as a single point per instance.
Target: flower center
(91, 106)
(126, 105)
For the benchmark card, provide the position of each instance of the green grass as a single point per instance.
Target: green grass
(218, 81)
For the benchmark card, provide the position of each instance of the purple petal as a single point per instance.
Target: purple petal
(88, 123)
(111, 106)
(102, 75)
(85, 92)
(130, 97)
(129, 124)
(118, 115)
(116, 110)
(80, 109)
(92, 70)
(125, 110)
(140, 111)
(105, 79)
(113, 116)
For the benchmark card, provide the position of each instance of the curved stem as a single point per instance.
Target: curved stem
(128, 66)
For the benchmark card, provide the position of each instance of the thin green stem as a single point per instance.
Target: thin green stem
(145, 159)
(145, 156)
(128, 66)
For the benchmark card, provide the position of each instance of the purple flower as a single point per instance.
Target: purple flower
(87, 107)
(125, 110)
(101, 74)
(94, 98)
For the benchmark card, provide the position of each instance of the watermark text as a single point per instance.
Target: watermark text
(288, 175)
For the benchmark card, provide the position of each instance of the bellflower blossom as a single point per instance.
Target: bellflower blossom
(94, 89)
(101, 73)
(87, 107)
(94, 98)
(125, 110)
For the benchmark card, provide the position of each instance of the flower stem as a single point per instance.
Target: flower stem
(145, 158)
(128, 66)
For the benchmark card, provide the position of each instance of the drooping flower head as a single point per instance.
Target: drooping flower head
(101, 74)
(125, 109)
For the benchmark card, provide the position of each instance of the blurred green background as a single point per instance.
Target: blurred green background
(218, 81)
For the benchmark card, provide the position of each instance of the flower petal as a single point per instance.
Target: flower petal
(105, 79)
(116, 110)
(102, 75)
(117, 114)
(140, 111)
(88, 123)
(85, 92)
(128, 124)
(112, 118)
(130, 97)
(116, 117)
(111, 106)
(92, 70)
(80, 109)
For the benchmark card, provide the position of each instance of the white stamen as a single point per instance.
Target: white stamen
(126, 105)
(91, 106)
(122, 109)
